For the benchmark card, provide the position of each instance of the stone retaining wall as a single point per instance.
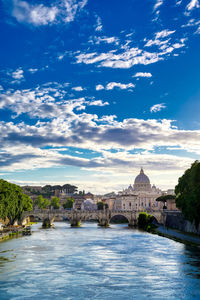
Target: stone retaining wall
(176, 220)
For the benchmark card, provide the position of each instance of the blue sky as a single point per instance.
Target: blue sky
(93, 90)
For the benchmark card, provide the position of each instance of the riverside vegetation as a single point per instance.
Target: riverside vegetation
(13, 202)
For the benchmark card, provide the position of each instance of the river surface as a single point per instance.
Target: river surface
(97, 263)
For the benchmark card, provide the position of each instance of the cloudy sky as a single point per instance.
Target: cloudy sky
(93, 90)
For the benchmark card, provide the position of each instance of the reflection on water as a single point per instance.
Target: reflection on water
(97, 263)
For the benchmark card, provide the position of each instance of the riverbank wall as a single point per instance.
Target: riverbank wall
(175, 220)
(10, 233)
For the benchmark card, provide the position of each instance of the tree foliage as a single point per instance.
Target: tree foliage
(188, 193)
(164, 198)
(70, 189)
(42, 202)
(55, 202)
(49, 190)
(100, 205)
(13, 202)
(68, 203)
(144, 220)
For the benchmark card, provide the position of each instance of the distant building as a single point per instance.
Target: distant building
(110, 201)
(139, 196)
(98, 198)
(89, 204)
(171, 204)
(89, 196)
(78, 202)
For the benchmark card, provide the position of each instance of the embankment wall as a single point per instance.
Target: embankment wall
(176, 220)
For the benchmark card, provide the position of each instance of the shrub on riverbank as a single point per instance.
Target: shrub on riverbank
(145, 222)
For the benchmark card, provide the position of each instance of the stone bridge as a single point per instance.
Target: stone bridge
(103, 217)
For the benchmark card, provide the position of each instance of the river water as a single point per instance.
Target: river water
(97, 263)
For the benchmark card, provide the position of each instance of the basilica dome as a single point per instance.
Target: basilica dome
(142, 178)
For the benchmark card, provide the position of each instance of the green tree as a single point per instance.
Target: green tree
(70, 189)
(100, 205)
(13, 202)
(42, 202)
(55, 202)
(188, 193)
(164, 198)
(68, 203)
(144, 220)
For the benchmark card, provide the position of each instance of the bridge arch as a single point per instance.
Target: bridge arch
(129, 215)
(26, 218)
(120, 215)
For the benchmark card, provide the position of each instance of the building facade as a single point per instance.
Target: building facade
(140, 196)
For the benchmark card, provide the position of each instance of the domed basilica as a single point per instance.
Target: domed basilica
(139, 196)
(141, 183)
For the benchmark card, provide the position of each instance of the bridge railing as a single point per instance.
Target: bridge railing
(60, 211)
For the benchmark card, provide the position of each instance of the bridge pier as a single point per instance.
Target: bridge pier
(47, 223)
(132, 223)
(75, 223)
(104, 222)
(104, 218)
(75, 220)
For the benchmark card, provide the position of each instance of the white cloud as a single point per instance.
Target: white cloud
(99, 87)
(99, 25)
(178, 45)
(157, 107)
(123, 60)
(32, 70)
(72, 7)
(98, 103)
(18, 74)
(112, 85)
(118, 170)
(158, 4)
(34, 14)
(78, 88)
(156, 42)
(193, 4)
(126, 56)
(158, 38)
(122, 86)
(143, 74)
(198, 30)
(106, 40)
(164, 33)
(39, 14)
(191, 22)
(61, 56)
